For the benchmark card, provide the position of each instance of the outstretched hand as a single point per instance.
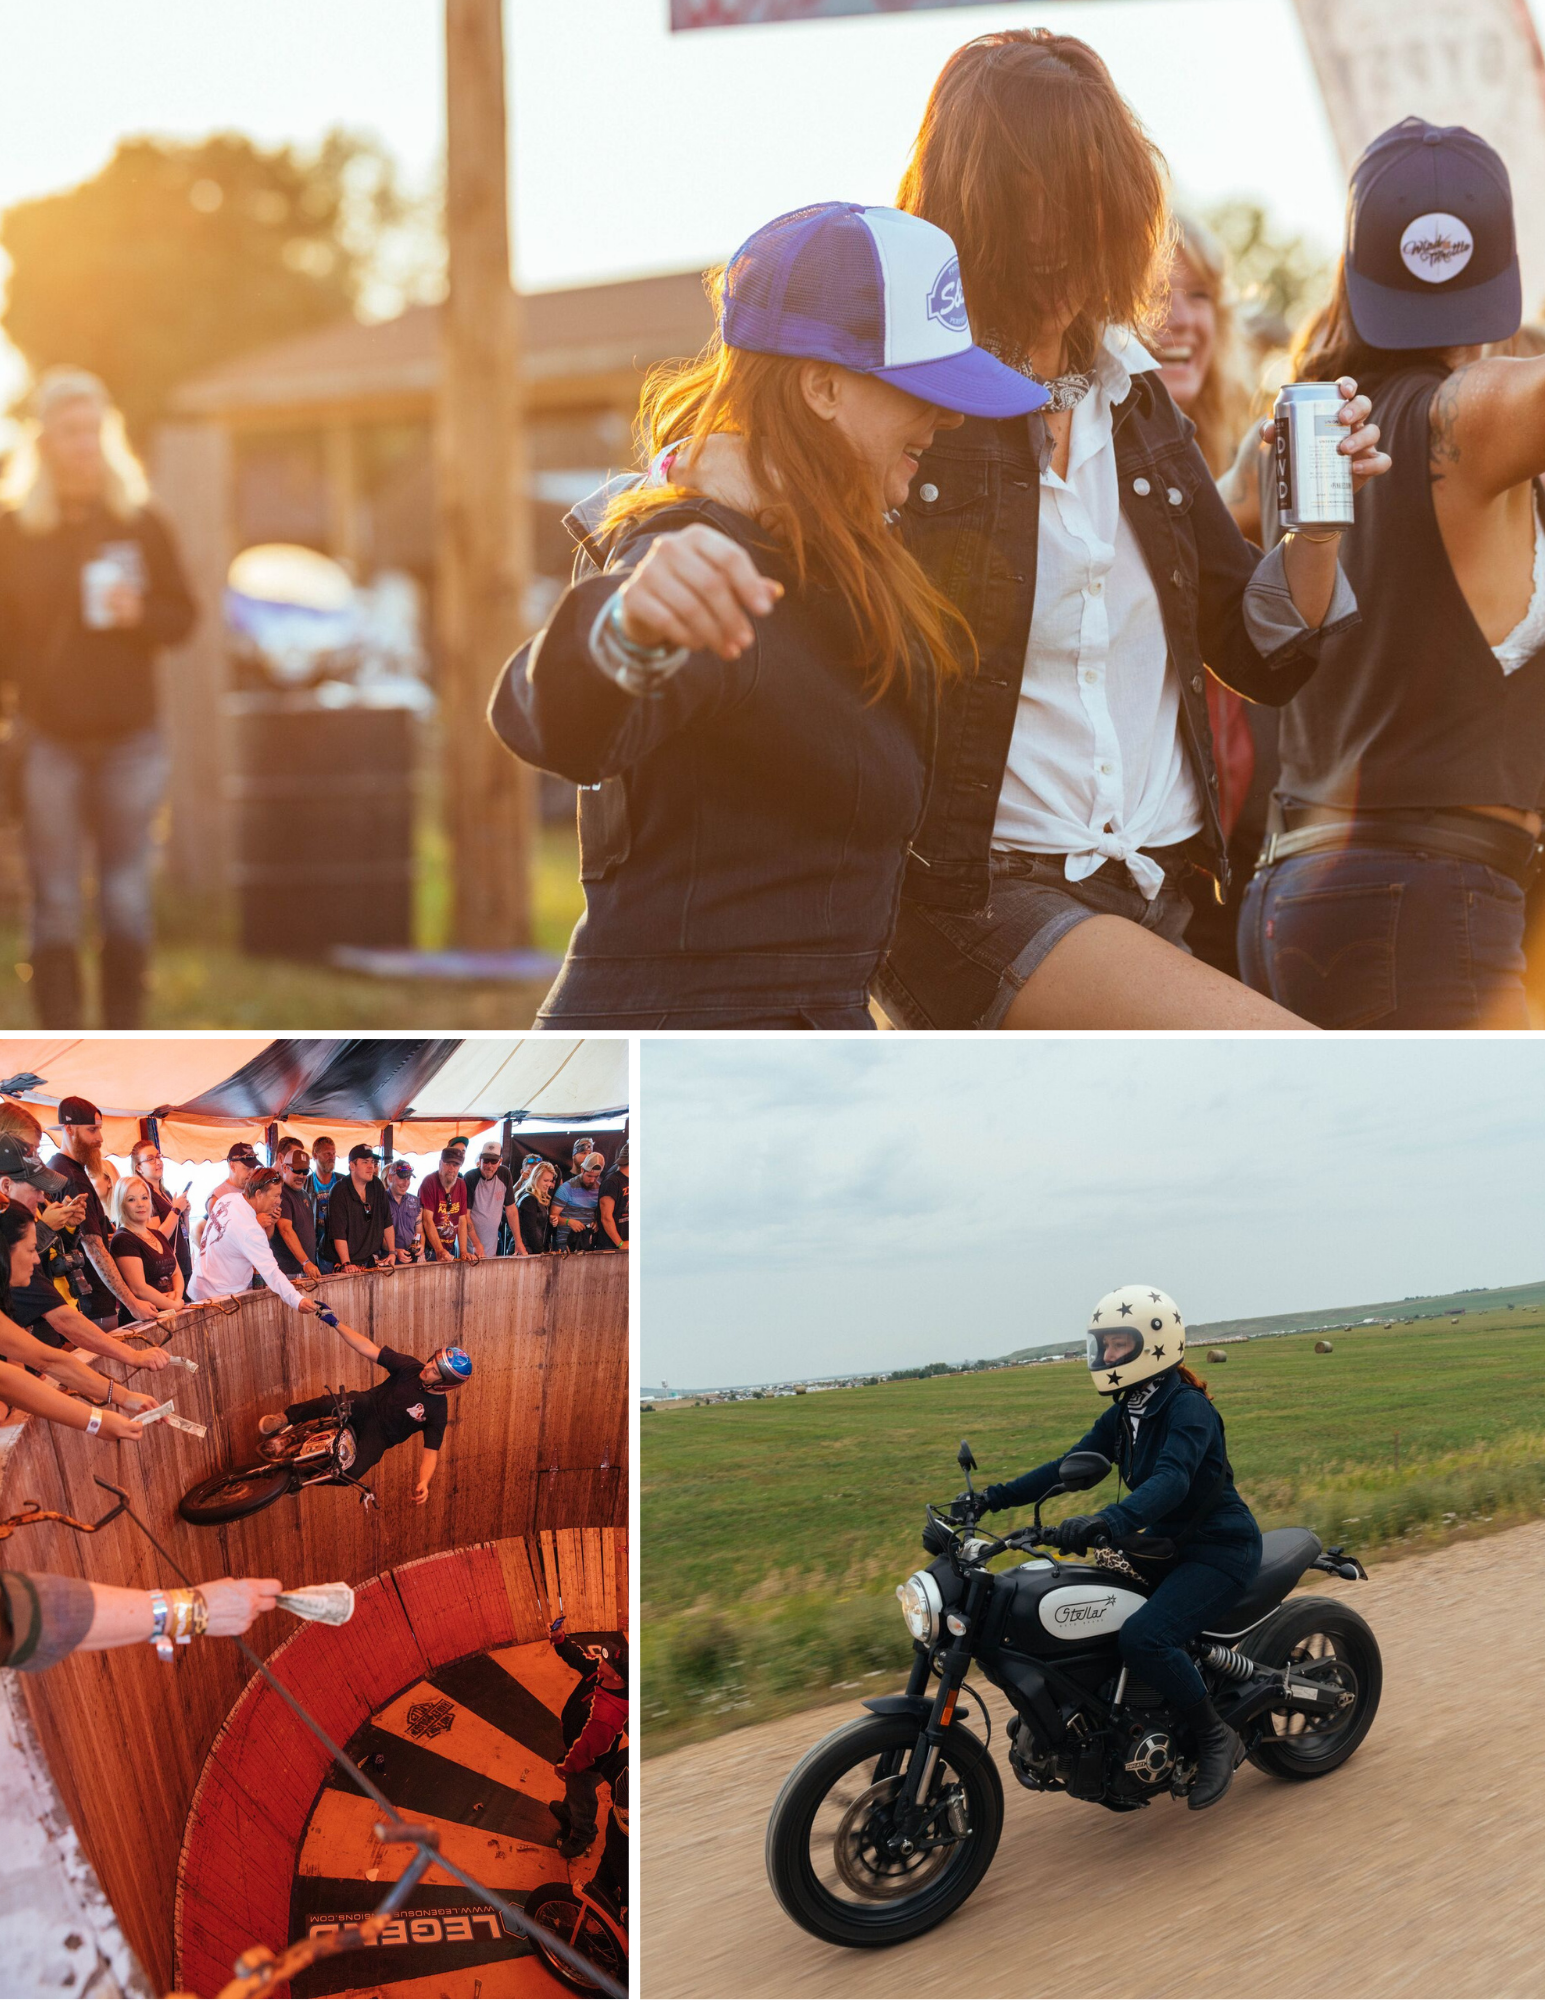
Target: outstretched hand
(699, 589)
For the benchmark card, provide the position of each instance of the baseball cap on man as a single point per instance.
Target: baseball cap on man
(400, 1168)
(21, 1163)
(874, 290)
(78, 1111)
(362, 1152)
(1431, 258)
(243, 1153)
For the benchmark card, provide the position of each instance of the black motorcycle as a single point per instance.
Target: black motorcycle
(887, 1826)
(318, 1452)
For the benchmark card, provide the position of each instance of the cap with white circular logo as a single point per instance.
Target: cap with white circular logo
(1431, 259)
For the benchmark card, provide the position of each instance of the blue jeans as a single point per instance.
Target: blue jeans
(1153, 1641)
(105, 794)
(1378, 937)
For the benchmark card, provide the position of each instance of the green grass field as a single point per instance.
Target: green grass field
(775, 1532)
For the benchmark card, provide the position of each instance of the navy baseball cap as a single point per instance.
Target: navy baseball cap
(1431, 258)
(874, 290)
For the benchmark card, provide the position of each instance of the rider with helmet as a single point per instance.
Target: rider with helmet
(411, 1401)
(1166, 1440)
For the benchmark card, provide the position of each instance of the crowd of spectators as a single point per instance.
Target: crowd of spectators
(88, 1253)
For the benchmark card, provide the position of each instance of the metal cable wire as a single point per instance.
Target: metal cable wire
(257, 1976)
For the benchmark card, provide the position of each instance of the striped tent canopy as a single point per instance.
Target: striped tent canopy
(206, 1092)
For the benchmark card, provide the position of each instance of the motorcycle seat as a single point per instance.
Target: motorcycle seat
(1285, 1554)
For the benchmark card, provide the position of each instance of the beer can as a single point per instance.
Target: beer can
(113, 564)
(1314, 477)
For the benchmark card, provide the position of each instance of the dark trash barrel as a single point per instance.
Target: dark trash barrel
(321, 802)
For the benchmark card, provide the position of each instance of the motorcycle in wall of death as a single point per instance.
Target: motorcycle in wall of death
(888, 1825)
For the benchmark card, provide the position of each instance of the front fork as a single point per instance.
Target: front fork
(954, 1665)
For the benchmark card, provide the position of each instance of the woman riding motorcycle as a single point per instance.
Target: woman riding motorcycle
(1167, 1442)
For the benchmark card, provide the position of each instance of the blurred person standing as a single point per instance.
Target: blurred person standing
(171, 1211)
(1198, 360)
(1407, 818)
(91, 590)
(407, 1213)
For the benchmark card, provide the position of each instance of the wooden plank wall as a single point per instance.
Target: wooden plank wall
(261, 1777)
(539, 1441)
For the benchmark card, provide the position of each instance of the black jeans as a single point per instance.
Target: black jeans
(1153, 1641)
(369, 1445)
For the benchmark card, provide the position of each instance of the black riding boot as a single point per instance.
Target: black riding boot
(124, 965)
(1218, 1750)
(57, 998)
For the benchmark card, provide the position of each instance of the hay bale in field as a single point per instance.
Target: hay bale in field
(1323, 1347)
(1215, 1354)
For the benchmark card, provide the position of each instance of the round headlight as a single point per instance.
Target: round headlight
(921, 1606)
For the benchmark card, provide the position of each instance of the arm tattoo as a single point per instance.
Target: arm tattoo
(1443, 426)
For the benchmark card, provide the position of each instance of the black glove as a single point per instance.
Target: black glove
(1079, 1532)
(968, 1507)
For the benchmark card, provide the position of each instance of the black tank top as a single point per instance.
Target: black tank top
(1410, 708)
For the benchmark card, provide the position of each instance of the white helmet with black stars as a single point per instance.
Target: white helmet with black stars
(1135, 1333)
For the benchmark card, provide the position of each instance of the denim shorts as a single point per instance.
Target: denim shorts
(1377, 937)
(945, 970)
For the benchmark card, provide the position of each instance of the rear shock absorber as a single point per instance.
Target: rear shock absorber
(1224, 1660)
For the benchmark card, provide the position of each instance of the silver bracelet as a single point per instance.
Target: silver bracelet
(637, 670)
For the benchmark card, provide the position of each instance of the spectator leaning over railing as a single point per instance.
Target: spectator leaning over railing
(444, 1198)
(491, 1216)
(171, 1209)
(90, 591)
(22, 1350)
(43, 1303)
(359, 1216)
(295, 1243)
(407, 1214)
(235, 1249)
(44, 1618)
(533, 1205)
(576, 1207)
(612, 1209)
(146, 1262)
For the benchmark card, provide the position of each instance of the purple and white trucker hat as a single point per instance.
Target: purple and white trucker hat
(877, 291)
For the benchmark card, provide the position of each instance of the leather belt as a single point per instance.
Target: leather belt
(1464, 836)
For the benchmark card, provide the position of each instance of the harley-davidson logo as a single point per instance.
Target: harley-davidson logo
(1090, 1611)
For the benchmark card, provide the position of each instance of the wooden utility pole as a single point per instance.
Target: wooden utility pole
(483, 561)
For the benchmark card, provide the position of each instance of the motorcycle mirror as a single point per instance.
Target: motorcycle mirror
(964, 1459)
(1083, 1469)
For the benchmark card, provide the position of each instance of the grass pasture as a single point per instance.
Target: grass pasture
(776, 1531)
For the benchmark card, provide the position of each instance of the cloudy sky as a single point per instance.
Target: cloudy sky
(813, 1207)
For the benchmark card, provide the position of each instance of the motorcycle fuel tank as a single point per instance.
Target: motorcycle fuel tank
(1063, 1604)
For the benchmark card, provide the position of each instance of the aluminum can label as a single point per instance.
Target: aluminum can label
(1314, 478)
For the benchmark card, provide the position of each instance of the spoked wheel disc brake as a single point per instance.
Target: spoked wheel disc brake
(1316, 1657)
(849, 1841)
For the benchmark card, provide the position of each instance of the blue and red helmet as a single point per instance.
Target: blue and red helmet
(452, 1364)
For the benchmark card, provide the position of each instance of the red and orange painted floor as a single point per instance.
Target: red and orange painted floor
(470, 1751)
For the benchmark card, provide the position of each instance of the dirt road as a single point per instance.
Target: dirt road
(1417, 1869)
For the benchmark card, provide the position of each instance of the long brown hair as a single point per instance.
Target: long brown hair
(1329, 345)
(1030, 158)
(823, 510)
(1189, 1375)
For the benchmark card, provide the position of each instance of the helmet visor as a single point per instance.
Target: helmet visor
(1112, 1346)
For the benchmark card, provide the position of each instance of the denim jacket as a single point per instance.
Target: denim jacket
(972, 520)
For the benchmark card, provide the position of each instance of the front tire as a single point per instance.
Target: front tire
(1323, 1639)
(556, 1906)
(232, 1496)
(823, 1859)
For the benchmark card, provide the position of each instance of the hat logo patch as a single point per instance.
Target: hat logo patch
(1436, 247)
(947, 300)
